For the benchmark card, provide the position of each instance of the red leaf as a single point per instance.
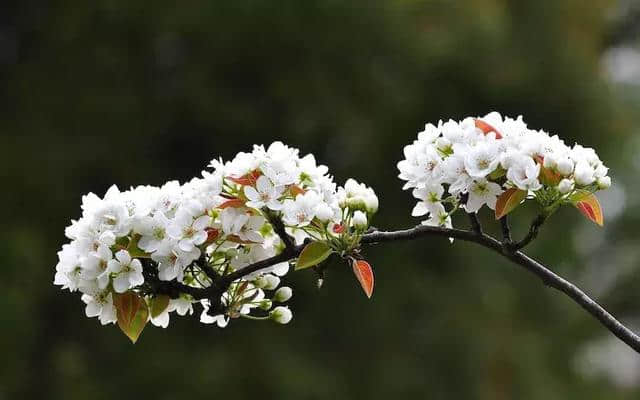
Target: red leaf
(486, 128)
(362, 270)
(508, 201)
(247, 179)
(547, 176)
(296, 190)
(589, 206)
(235, 203)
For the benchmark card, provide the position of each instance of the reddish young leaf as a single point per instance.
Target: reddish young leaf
(589, 206)
(132, 313)
(235, 203)
(508, 201)
(212, 234)
(247, 179)
(362, 270)
(296, 190)
(546, 175)
(486, 128)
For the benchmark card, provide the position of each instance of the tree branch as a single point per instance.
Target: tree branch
(278, 227)
(547, 276)
(533, 232)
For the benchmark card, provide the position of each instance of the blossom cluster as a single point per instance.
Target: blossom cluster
(471, 163)
(135, 240)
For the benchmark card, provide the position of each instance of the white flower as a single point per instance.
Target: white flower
(172, 260)
(430, 197)
(69, 268)
(482, 160)
(523, 173)
(301, 211)
(281, 315)
(153, 231)
(95, 266)
(128, 272)
(264, 194)
(99, 304)
(189, 231)
(482, 192)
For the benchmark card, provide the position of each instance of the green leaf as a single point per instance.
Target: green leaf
(508, 201)
(313, 254)
(132, 313)
(159, 304)
(134, 250)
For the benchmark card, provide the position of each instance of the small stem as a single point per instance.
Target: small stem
(506, 231)
(533, 232)
(475, 223)
(278, 227)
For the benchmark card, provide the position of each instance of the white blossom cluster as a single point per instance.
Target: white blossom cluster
(470, 163)
(220, 222)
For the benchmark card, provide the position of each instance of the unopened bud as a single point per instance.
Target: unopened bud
(283, 294)
(565, 166)
(281, 315)
(272, 282)
(565, 186)
(359, 220)
(265, 304)
(604, 182)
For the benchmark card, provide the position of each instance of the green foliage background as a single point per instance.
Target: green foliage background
(132, 92)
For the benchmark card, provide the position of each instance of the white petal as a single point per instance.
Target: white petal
(251, 193)
(121, 283)
(93, 309)
(420, 209)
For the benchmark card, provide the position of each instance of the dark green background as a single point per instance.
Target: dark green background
(132, 92)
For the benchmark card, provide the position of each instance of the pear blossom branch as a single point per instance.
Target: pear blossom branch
(548, 277)
(532, 234)
(506, 231)
(278, 227)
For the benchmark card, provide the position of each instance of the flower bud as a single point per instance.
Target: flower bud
(283, 294)
(604, 182)
(565, 166)
(583, 174)
(356, 203)
(359, 220)
(261, 282)
(351, 187)
(265, 304)
(272, 282)
(565, 186)
(371, 201)
(281, 315)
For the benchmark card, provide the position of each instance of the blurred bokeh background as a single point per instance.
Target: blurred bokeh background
(132, 92)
